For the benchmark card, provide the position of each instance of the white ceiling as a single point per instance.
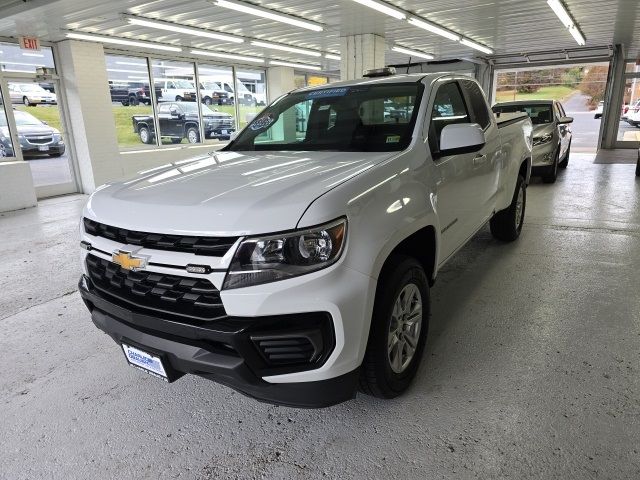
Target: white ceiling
(507, 26)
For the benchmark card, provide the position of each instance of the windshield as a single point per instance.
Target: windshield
(540, 114)
(183, 84)
(32, 88)
(362, 118)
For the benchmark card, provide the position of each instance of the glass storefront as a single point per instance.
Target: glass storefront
(183, 114)
(6, 145)
(39, 124)
(629, 126)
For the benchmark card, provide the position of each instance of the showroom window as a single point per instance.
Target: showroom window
(250, 92)
(15, 60)
(6, 145)
(218, 109)
(130, 91)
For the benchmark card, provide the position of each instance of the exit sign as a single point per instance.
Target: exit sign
(30, 43)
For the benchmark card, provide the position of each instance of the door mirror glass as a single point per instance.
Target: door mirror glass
(565, 120)
(461, 138)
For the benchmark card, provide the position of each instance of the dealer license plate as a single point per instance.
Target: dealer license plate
(43, 148)
(144, 361)
(225, 132)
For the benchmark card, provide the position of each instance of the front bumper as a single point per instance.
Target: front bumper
(226, 350)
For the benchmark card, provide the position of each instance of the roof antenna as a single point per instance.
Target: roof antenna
(408, 65)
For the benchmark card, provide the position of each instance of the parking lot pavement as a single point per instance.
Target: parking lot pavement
(531, 367)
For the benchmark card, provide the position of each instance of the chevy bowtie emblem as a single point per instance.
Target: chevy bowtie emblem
(128, 261)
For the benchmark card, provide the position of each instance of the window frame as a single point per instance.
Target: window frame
(431, 135)
(469, 102)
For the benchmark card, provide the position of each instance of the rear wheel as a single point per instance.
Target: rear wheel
(207, 101)
(133, 100)
(26, 102)
(145, 135)
(551, 175)
(398, 330)
(179, 98)
(506, 225)
(192, 135)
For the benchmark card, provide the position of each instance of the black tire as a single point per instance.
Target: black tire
(193, 136)
(179, 98)
(565, 162)
(506, 225)
(551, 175)
(26, 102)
(176, 140)
(377, 377)
(207, 101)
(145, 135)
(133, 100)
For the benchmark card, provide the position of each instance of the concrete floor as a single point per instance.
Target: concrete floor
(532, 367)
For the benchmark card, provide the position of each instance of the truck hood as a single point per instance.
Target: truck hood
(227, 193)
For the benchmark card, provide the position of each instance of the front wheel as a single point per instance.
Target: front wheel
(179, 98)
(26, 102)
(207, 101)
(564, 163)
(506, 225)
(551, 175)
(398, 330)
(192, 135)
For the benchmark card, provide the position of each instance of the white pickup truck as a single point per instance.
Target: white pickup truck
(295, 264)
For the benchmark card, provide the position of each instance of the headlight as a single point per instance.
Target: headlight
(278, 257)
(57, 137)
(543, 139)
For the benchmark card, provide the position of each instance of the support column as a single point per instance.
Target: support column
(83, 72)
(281, 80)
(614, 94)
(359, 53)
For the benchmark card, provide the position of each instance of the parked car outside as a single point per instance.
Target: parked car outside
(180, 120)
(212, 94)
(599, 111)
(131, 93)
(633, 115)
(176, 90)
(31, 94)
(297, 268)
(35, 136)
(551, 134)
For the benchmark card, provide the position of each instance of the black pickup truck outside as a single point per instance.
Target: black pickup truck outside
(179, 120)
(132, 93)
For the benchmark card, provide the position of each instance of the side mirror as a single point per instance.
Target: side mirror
(461, 138)
(174, 113)
(45, 123)
(565, 120)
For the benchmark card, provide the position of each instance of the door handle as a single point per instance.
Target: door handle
(479, 159)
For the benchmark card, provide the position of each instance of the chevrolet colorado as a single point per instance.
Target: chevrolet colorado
(295, 264)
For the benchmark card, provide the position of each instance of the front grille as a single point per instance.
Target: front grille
(153, 293)
(212, 246)
(39, 140)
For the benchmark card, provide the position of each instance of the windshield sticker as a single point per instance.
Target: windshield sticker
(263, 122)
(393, 138)
(328, 92)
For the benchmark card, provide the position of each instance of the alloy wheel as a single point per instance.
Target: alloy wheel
(404, 328)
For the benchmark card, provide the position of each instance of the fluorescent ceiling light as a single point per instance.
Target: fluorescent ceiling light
(137, 64)
(286, 48)
(383, 7)
(26, 54)
(412, 53)
(229, 56)
(430, 27)
(561, 12)
(22, 63)
(136, 77)
(477, 46)
(19, 71)
(270, 14)
(577, 35)
(174, 27)
(122, 41)
(332, 56)
(295, 65)
(123, 70)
